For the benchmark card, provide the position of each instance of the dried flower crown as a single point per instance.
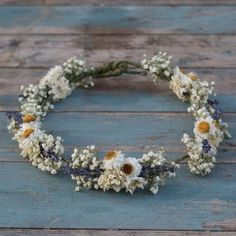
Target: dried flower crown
(116, 171)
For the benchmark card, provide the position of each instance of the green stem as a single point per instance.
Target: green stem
(177, 161)
(134, 72)
(113, 68)
(65, 160)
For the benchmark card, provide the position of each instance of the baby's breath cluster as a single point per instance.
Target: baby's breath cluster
(57, 84)
(115, 171)
(155, 168)
(159, 66)
(85, 168)
(75, 71)
(35, 100)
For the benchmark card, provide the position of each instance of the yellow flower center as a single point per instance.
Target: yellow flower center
(27, 132)
(110, 155)
(28, 118)
(127, 168)
(192, 76)
(203, 127)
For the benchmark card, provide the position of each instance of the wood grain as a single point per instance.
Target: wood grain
(39, 51)
(117, 2)
(188, 202)
(118, 19)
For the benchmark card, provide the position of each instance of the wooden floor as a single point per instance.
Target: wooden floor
(127, 113)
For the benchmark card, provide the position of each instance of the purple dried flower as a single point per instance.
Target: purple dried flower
(213, 102)
(206, 146)
(217, 111)
(66, 169)
(148, 170)
(15, 115)
(217, 114)
(83, 171)
(48, 154)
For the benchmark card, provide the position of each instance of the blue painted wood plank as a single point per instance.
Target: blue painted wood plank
(130, 132)
(161, 19)
(117, 2)
(84, 100)
(34, 199)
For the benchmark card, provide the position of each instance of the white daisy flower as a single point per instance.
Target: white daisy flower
(131, 167)
(28, 131)
(113, 160)
(204, 128)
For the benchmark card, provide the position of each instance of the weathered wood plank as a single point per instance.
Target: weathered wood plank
(125, 93)
(149, 19)
(130, 132)
(117, 2)
(45, 51)
(35, 199)
(109, 232)
(123, 101)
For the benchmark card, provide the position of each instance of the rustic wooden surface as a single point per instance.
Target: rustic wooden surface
(128, 113)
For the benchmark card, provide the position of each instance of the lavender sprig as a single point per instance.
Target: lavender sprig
(217, 111)
(206, 146)
(156, 170)
(83, 171)
(48, 154)
(16, 116)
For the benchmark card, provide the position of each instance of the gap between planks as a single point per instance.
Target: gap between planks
(108, 232)
(117, 2)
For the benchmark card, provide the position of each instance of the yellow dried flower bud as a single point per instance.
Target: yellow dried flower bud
(110, 155)
(28, 118)
(27, 132)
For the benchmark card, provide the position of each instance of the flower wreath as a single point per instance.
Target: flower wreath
(116, 171)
